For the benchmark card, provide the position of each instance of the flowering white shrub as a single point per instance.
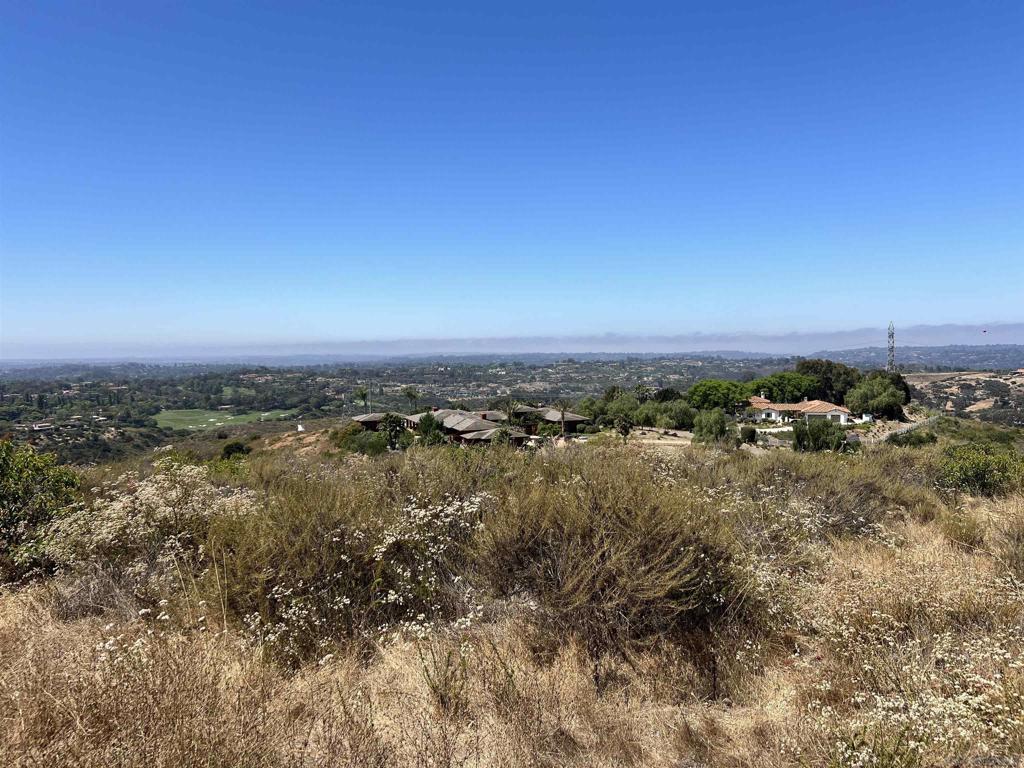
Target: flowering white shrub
(143, 527)
(398, 578)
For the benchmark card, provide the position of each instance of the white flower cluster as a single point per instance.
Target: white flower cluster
(400, 575)
(143, 525)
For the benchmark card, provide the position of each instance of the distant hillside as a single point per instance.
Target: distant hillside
(951, 357)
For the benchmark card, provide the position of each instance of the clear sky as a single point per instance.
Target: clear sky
(176, 174)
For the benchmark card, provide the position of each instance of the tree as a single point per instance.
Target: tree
(562, 405)
(362, 394)
(668, 394)
(392, 427)
(508, 406)
(717, 393)
(412, 395)
(592, 408)
(835, 379)
(876, 395)
(624, 425)
(786, 387)
(612, 392)
(643, 393)
(430, 430)
(710, 426)
(33, 489)
(623, 405)
(503, 436)
(896, 379)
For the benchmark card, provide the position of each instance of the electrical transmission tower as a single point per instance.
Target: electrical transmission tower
(890, 365)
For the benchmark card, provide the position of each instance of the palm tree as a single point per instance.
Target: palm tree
(563, 405)
(508, 405)
(362, 394)
(412, 395)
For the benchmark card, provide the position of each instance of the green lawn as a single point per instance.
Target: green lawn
(230, 392)
(197, 418)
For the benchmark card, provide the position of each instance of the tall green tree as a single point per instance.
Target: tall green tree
(835, 379)
(562, 405)
(412, 395)
(877, 395)
(786, 387)
(709, 394)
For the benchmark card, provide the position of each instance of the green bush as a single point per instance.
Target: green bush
(915, 438)
(353, 438)
(982, 469)
(234, 448)
(710, 426)
(818, 435)
(748, 434)
(33, 491)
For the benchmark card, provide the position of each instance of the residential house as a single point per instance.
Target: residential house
(371, 421)
(808, 410)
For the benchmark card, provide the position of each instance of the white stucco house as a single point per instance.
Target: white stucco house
(765, 410)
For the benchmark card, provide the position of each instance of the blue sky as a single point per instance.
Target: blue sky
(183, 175)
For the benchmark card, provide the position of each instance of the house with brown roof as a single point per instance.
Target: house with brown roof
(764, 410)
(371, 421)
(477, 426)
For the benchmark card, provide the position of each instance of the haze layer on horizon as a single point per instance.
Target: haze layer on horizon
(777, 344)
(194, 176)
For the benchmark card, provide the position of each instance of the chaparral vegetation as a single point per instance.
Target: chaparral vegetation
(590, 605)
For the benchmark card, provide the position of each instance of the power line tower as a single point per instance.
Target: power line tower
(890, 365)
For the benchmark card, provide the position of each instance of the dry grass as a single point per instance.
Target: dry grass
(818, 610)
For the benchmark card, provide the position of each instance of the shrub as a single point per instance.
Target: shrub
(235, 448)
(353, 438)
(962, 528)
(617, 559)
(340, 436)
(33, 490)
(748, 434)
(345, 565)
(818, 435)
(914, 438)
(623, 425)
(710, 426)
(982, 469)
